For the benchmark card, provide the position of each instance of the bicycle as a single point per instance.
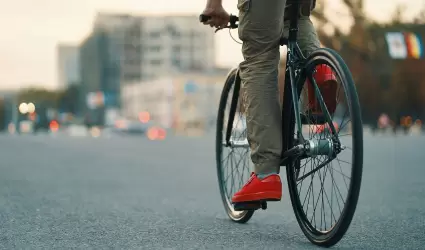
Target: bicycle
(296, 148)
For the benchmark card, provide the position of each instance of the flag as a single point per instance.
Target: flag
(414, 45)
(396, 45)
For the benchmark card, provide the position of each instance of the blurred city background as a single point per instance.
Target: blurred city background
(136, 70)
(108, 111)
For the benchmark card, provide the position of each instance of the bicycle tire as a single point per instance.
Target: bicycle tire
(340, 228)
(243, 216)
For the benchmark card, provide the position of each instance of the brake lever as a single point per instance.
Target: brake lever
(218, 29)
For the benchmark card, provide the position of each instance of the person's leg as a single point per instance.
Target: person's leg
(260, 29)
(307, 38)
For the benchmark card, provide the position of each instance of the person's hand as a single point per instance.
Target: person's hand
(219, 18)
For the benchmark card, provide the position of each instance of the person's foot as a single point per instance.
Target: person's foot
(327, 83)
(256, 189)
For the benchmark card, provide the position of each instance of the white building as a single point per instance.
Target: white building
(154, 97)
(178, 101)
(176, 43)
(155, 46)
(67, 65)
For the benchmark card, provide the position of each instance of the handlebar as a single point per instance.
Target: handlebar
(232, 21)
(233, 25)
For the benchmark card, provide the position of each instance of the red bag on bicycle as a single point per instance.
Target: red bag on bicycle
(326, 81)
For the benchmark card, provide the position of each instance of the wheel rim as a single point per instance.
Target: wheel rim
(329, 187)
(235, 164)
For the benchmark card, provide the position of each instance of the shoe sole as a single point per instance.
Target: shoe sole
(258, 197)
(252, 205)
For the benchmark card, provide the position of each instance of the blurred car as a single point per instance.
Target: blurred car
(54, 126)
(26, 127)
(149, 129)
(130, 127)
(77, 130)
(156, 133)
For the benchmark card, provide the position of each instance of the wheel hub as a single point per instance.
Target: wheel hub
(329, 147)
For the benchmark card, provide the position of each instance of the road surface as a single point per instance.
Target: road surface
(130, 193)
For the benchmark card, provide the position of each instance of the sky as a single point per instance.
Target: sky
(31, 30)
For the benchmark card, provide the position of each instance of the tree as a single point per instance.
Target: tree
(397, 17)
(384, 84)
(38, 96)
(420, 18)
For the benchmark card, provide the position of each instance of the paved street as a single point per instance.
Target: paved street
(80, 192)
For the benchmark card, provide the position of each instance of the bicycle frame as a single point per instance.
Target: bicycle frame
(294, 59)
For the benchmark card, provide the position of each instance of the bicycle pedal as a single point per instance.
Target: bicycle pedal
(250, 206)
(314, 119)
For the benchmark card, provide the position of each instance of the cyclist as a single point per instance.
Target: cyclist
(261, 26)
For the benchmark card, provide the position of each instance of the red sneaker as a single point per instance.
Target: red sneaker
(326, 80)
(267, 189)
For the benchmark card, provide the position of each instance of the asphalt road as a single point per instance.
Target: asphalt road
(87, 193)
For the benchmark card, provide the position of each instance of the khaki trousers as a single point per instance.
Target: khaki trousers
(261, 25)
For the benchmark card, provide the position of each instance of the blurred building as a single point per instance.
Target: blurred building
(8, 107)
(156, 45)
(182, 102)
(124, 49)
(67, 65)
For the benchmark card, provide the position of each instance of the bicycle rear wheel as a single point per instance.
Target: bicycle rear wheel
(345, 170)
(233, 162)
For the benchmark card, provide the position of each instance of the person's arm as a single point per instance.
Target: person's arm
(219, 17)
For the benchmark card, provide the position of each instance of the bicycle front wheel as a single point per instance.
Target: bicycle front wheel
(325, 182)
(233, 162)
